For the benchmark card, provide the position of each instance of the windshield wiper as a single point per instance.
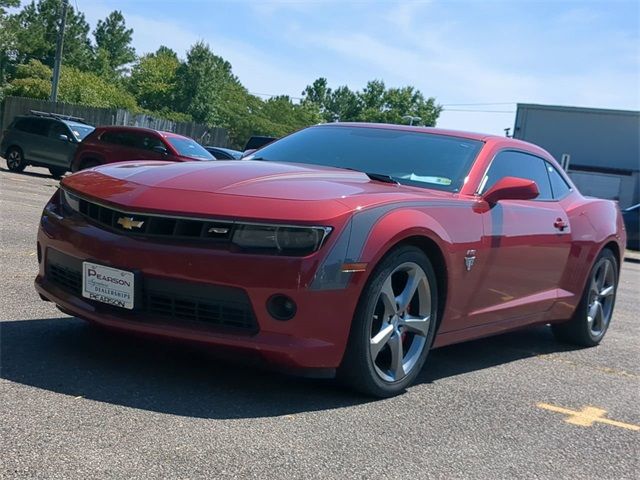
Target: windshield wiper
(381, 178)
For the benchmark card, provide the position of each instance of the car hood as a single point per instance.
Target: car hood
(244, 188)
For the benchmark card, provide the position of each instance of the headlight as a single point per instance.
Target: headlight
(279, 238)
(69, 201)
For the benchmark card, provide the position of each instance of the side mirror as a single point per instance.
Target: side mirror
(246, 153)
(511, 188)
(63, 138)
(160, 149)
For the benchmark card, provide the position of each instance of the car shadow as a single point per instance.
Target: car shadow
(490, 352)
(68, 356)
(29, 174)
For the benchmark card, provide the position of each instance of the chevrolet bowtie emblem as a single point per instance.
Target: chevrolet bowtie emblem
(129, 223)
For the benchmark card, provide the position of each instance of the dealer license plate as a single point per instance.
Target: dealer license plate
(108, 285)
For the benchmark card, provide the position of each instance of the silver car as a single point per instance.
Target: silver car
(44, 140)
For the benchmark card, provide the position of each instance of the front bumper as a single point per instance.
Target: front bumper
(315, 339)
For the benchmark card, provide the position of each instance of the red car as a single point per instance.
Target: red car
(117, 144)
(342, 249)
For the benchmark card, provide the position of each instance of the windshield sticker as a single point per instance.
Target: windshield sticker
(428, 179)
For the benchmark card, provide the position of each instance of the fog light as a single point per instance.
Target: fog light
(39, 252)
(281, 307)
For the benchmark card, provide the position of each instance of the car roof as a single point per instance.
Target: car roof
(79, 124)
(506, 142)
(126, 128)
(410, 128)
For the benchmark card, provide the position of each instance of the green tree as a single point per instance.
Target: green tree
(201, 81)
(153, 80)
(113, 44)
(88, 88)
(36, 30)
(7, 39)
(343, 105)
(375, 103)
(33, 80)
(318, 94)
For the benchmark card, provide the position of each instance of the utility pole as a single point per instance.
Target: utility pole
(58, 60)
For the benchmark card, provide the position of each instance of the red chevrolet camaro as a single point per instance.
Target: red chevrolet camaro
(342, 249)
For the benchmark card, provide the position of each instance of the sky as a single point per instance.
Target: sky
(484, 56)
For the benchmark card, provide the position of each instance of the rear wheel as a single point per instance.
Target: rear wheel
(394, 325)
(593, 314)
(57, 172)
(15, 160)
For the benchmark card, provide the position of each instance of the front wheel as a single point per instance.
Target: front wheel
(394, 325)
(593, 314)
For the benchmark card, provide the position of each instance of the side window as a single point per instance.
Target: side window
(111, 137)
(149, 142)
(125, 139)
(559, 186)
(36, 126)
(129, 139)
(522, 165)
(19, 124)
(56, 129)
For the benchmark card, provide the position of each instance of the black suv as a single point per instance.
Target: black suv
(43, 139)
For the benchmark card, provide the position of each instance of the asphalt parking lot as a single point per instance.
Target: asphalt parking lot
(81, 403)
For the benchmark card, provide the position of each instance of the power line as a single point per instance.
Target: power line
(271, 95)
(476, 104)
(476, 111)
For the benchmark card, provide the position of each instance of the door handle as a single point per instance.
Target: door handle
(560, 224)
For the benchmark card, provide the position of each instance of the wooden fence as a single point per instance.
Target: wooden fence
(13, 106)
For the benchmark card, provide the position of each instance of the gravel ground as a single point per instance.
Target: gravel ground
(81, 403)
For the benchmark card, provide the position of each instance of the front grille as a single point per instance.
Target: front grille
(154, 225)
(175, 302)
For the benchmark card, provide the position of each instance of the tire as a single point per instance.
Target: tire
(88, 164)
(15, 159)
(57, 172)
(394, 325)
(593, 314)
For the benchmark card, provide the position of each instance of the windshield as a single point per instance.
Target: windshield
(411, 158)
(189, 148)
(80, 130)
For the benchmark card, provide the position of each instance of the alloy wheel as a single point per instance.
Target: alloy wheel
(401, 322)
(601, 296)
(14, 159)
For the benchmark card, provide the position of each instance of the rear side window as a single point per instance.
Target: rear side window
(125, 139)
(36, 126)
(521, 165)
(559, 186)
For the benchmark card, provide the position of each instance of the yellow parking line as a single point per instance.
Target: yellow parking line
(587, 416)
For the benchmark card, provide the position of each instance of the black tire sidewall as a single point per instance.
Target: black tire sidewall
(358, 367)
(576, 331)
(57, 172)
